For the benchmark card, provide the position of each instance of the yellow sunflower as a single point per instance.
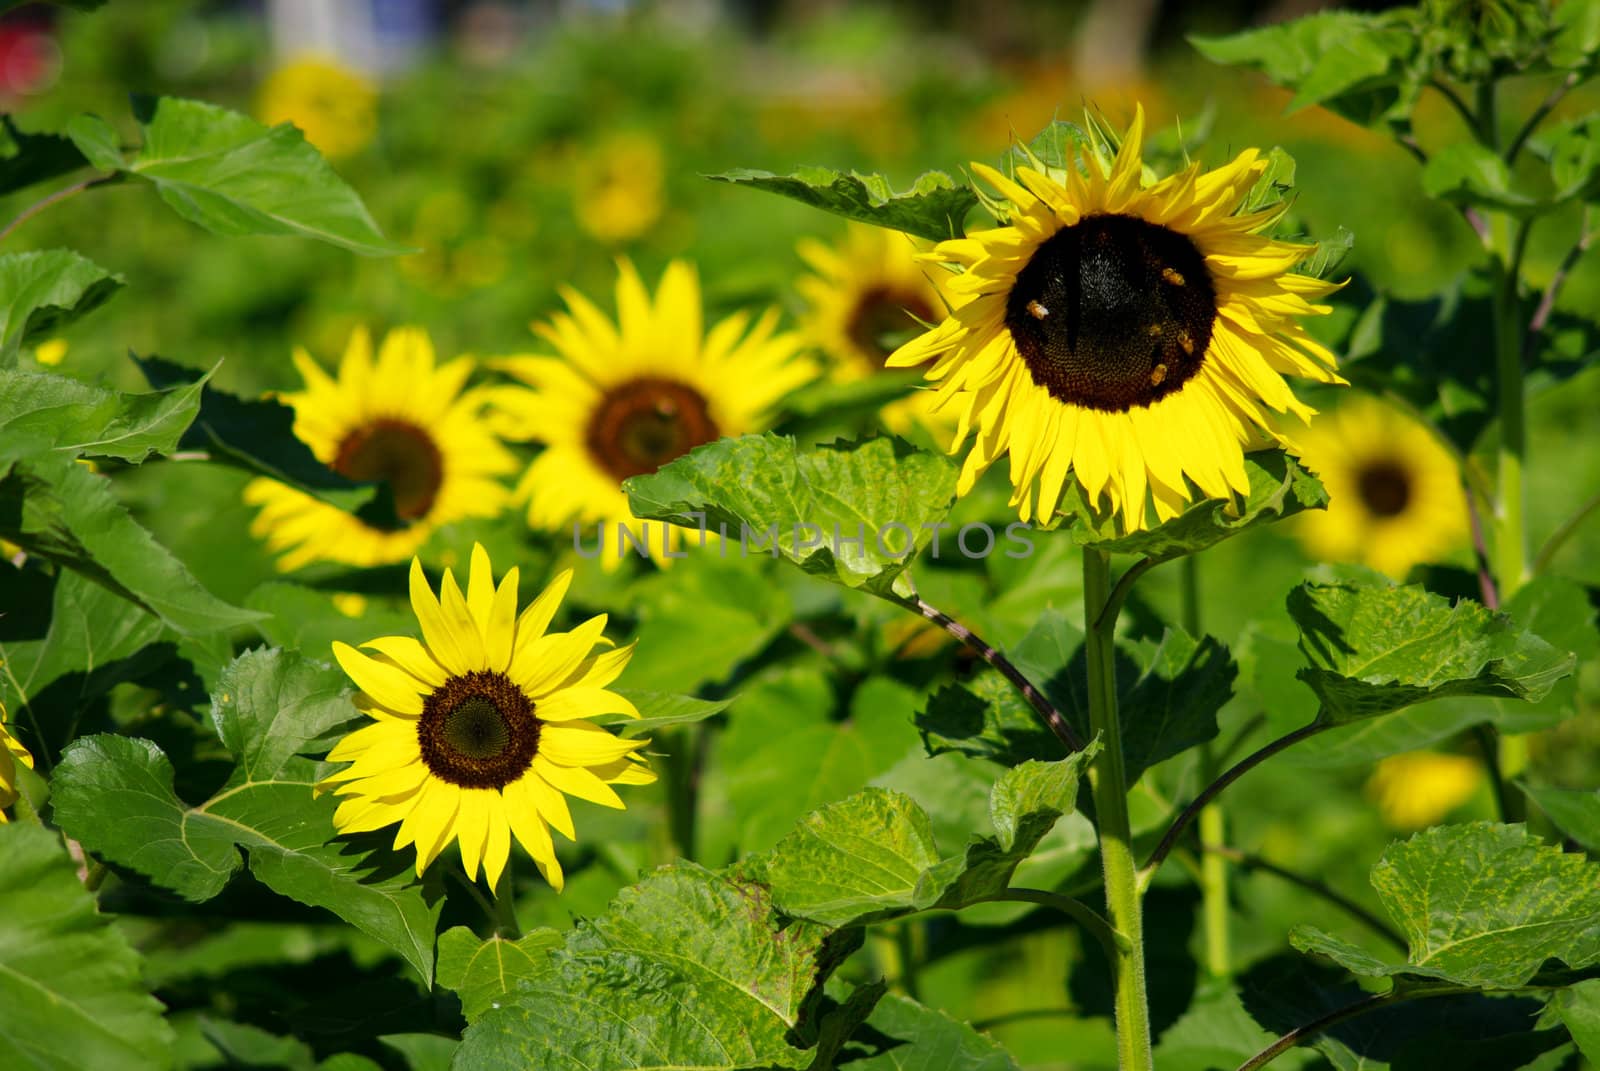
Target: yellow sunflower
(478, 730)
(622, 399)
(401, 420)
(1395, 496)
(1136, 335)
(619, 192)
(334, 107)
(11, 753)
(863, 292)
(1418, 789)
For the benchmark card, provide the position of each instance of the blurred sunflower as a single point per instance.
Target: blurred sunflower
(622, 399)
(619, 191)
(1418, 789)
(11, 753)
(478, 731)
(862, 296)
(336, 108)
(400, 420)
(1395, 497)
(1135, 335)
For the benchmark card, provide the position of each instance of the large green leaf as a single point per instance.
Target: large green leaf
(853, 513)
(29, 158)
(44, 413)
(934, 207)
(484, 973)
(873, 856)
(69, 982)
(1480, 905)
(1576, 812)
(232, 176)
(1279, 488)
(61, 511)
(1578, 1007)
(687, 969)
(1469, 174)
(114, 795)
(44, 291)
(903, 1035)
(1376, 647)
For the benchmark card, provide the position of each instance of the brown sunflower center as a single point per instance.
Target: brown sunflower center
(1384, 487)
(880, 315)
(1113, 312)
(644, 423)
(478, 730)
(400, 454)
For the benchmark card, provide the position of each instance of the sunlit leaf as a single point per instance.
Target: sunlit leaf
(485, 973)
(45, 413)
(903, 1035)
(935, 207)
(45, 291)
(27, 158)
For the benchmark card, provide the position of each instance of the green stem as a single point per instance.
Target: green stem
(1511, 551)
(1112, 943)
(1541, 561)
(1108, 779)
(1213, 825)
(906, 934)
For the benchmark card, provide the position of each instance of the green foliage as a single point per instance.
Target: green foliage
(29, 158)
(1481, 905)
(907, 1036)
(1575, 812)
(233, 176)
(485, 973)
(1578, 1008)
(44, 292)
(70, 982)
(853, 513)
(934, 207)
(43, 416)
(114, 794)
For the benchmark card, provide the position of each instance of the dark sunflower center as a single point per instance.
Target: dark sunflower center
(644, 423)
(400, 454)
(1113, 312)
(880, 315)
(1384, 487)
(478, 730)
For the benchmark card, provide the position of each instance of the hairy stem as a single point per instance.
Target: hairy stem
(1315, 1027)
(1510, 536)
(1111, 942)
(54, 198)
(1108, 780)
(1036, 699)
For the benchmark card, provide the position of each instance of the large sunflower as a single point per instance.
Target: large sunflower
(1395, 496)
(400, 420)
(478, 730)
(1135, 335)
(862, 292)
(11, 753)
(622, 399)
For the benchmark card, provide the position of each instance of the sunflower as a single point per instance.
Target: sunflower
(11, 753)
(1418, 789)
(478, 731)
(1136, 335)
(862, 292)
(1395, 496)
(622, 399)
(618, 196)
(336, 108)
(400, 420)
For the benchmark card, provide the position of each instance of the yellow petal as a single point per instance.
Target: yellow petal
(497, 846)
(472, 827)
(499, 629)
(480, 588)
(547, 661)
(411, 656)
(570, 703)
(435, 631)
(458, 619)
(536, 618)
(389, 685)
(577, 781)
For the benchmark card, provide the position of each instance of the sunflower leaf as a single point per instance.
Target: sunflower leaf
(1575, 812)
(1377, 647)
(934, 207)
(1481, 905)
(484, 973)
(233, 176)
(686, 969)
(658, 709)
(45, 291)
(906, 1036)
(872, 856)
(1279, 488)
(70, 983)
(1469, 174)
(29, 158)
(41, 413)
(852, 513)
(115, 795)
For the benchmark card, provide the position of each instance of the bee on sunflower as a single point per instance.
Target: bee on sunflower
(1136, 336)
(479, 730)
(11, 753)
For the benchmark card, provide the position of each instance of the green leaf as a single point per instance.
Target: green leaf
(1217, 1032)
(872, 856)
(1576, 44)
(852, 513)
(1573, 156)
(41, 412)
(1479, 905)
(1578, 1007)
(45, 291)
(1467, 173)
(658, 709)
(934, 207)
(233, 176)
(1173, 705)
(1279, 488)
(687, 969)
(1575, 812)
(485, 973)
(69, 982)
(61, 511)
(907, 1036)
(114, 794)
(26, 158)
(1377, 647)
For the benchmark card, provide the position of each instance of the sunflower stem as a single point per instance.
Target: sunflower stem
(1109, 783)
(1213, 825)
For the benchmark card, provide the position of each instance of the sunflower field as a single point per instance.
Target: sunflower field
(721, 535)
